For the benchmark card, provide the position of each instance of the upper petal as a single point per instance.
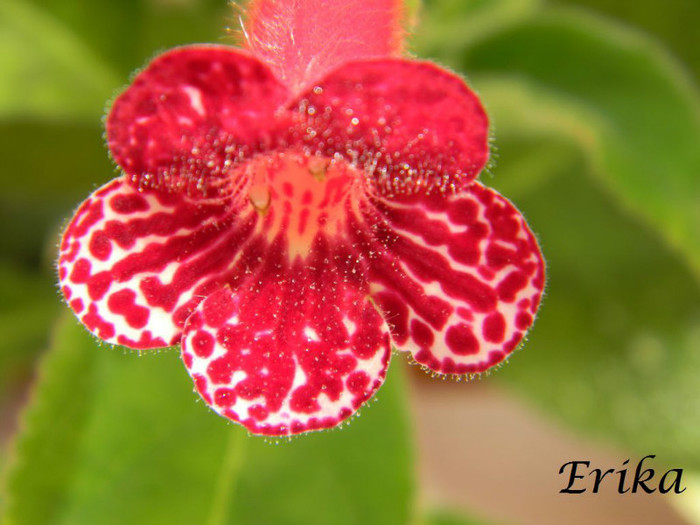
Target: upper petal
(412, 126)
(461, 279)
(134, 264)
(191, 114)
(303, 40)
(296, 349)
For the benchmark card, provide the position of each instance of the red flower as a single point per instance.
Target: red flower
(290, 214)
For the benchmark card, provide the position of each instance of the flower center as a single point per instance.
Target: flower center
(302, 196)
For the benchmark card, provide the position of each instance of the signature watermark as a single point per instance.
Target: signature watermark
(580, 477)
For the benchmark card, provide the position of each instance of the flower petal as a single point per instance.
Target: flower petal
(411, 125)
(134, 264)
(288, 352)
(303, 40)
(191, 114)
(464, 281)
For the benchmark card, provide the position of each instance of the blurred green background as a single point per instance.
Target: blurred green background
(596, 115)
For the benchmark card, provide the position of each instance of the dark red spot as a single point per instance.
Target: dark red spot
(187, 359)
(357, 382)
(127, 204)
(97, 325)
(220, 370)
(98, 285)
(146, 340)
(494, 328)
(258, 412)
(422, 334)
(224, 397)
(77, 305)
(81, 271)
(100, 246)
(498, 256)
(523, 320)
(85, 219)
(448, 366)
(200, 383)
(461, 340)
(509, 287)
(203, 344)
(123, 303)
(304, 400)
(425, 357)
(465, 313)
(513, 342)
(72, 253)
(505, 227)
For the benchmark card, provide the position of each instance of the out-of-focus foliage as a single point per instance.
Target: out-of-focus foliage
(597, 128)
(114, 438)
(597, 138)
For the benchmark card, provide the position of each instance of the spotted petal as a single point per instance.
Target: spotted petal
(410, 125)
(192, 114)
(463, 281)
(299, 350)
(134, 264)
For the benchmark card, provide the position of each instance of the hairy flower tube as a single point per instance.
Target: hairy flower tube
(290, 212)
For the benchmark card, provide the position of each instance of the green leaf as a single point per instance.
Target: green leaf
(64, 59)
(639, 113)
(126, 33)
(28, 303)
(672, 21)
(48, 170)
(111, 437)
(47, 70)
(614, 350)
(449, 26)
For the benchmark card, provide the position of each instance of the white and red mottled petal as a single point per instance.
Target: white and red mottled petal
(134, 264)
(464, 279)
(191, 114)
(300, 350)
(412, 126)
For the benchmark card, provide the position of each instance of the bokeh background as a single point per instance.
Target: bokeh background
(596, 115)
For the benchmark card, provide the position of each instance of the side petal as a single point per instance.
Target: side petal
(191, 114)
(134, 264)
(288, 353)
(463, 282)
(413, 126)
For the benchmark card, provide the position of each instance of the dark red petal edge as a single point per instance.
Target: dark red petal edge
(412, 126)
(192, 114)
(290, 353)
(134, 264)
(463, 282)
